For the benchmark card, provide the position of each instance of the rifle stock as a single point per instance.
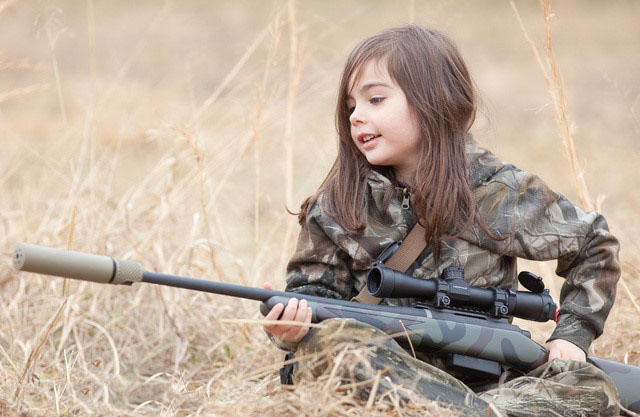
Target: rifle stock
(433, 330)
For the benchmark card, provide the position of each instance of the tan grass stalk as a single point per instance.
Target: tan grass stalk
(80, 357)
(91, 28)
(406, 333)
(69, 322)
(374, 390)
(203, 205)
(245, 143)
(276, 31)
(493, 409)
(263, 322)
(334, 370)
(112, 344)
(561, 114)
(21, 65)
(230, 77)
(395, 398)
(18, 92)
(56, 397)
(257, 128)
(72, 226)
(351, 385)
(69, 383)
(8, 358)
(172, 320)
(555, 88)
(626, 288)
(628, 412)
(35, 353)
(139, 47)
(296, 66)
(52, 37)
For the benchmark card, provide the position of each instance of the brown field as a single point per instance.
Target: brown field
(176, 134)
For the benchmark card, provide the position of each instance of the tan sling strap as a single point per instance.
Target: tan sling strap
(411, 247)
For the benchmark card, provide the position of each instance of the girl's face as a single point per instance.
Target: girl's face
(383, 127)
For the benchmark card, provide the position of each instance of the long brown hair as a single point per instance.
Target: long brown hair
(428, 68)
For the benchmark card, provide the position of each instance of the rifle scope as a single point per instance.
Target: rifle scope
(451, 291)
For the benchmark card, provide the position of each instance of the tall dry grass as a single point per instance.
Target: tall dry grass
(176, 135)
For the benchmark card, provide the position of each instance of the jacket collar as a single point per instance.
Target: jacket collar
(481, 163)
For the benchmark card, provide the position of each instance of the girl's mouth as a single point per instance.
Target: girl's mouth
(367, 138)
(369, 141)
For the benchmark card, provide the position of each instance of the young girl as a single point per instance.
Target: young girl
(405, 105)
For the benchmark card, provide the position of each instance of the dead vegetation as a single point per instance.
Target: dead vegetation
(176, 134)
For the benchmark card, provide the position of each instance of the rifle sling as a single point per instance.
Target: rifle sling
(411, 247)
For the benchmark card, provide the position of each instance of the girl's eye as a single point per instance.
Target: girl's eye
(376, 100)
(351, 109)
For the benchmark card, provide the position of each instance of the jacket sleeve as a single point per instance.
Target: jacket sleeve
(318, 267)
(540, 224)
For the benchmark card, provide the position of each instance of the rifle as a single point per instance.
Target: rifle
(470, 325)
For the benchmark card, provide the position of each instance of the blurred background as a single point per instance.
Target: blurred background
(178, 134)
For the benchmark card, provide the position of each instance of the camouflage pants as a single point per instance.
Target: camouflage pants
(357, 352)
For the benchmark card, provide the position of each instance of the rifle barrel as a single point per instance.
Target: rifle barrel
(271, 296)
(215, 287)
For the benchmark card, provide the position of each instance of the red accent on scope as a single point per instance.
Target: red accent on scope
(556, 319)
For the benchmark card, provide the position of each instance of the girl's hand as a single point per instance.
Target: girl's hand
(563, 349)
(295, 311)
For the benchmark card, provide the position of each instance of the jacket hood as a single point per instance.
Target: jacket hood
(483, 165)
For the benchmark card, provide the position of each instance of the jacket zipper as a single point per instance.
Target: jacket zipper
(405, 199)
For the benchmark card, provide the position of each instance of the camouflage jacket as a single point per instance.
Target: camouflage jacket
(538, 224)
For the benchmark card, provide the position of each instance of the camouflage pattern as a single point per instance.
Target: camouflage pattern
(357, 354)
(368, 360)
(559, 387)
(432, 331)
(537, 224)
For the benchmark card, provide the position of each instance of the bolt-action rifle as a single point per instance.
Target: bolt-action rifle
(469, 325)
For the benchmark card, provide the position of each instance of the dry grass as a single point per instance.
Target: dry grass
(176, 134)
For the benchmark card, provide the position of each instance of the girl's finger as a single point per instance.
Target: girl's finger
(275, 312)
(288, 315)
(303, 330)
(301, 314)
(268, 286)
(273, 315)
(300, 317)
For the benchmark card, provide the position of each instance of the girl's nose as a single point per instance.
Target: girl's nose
(355, 117)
